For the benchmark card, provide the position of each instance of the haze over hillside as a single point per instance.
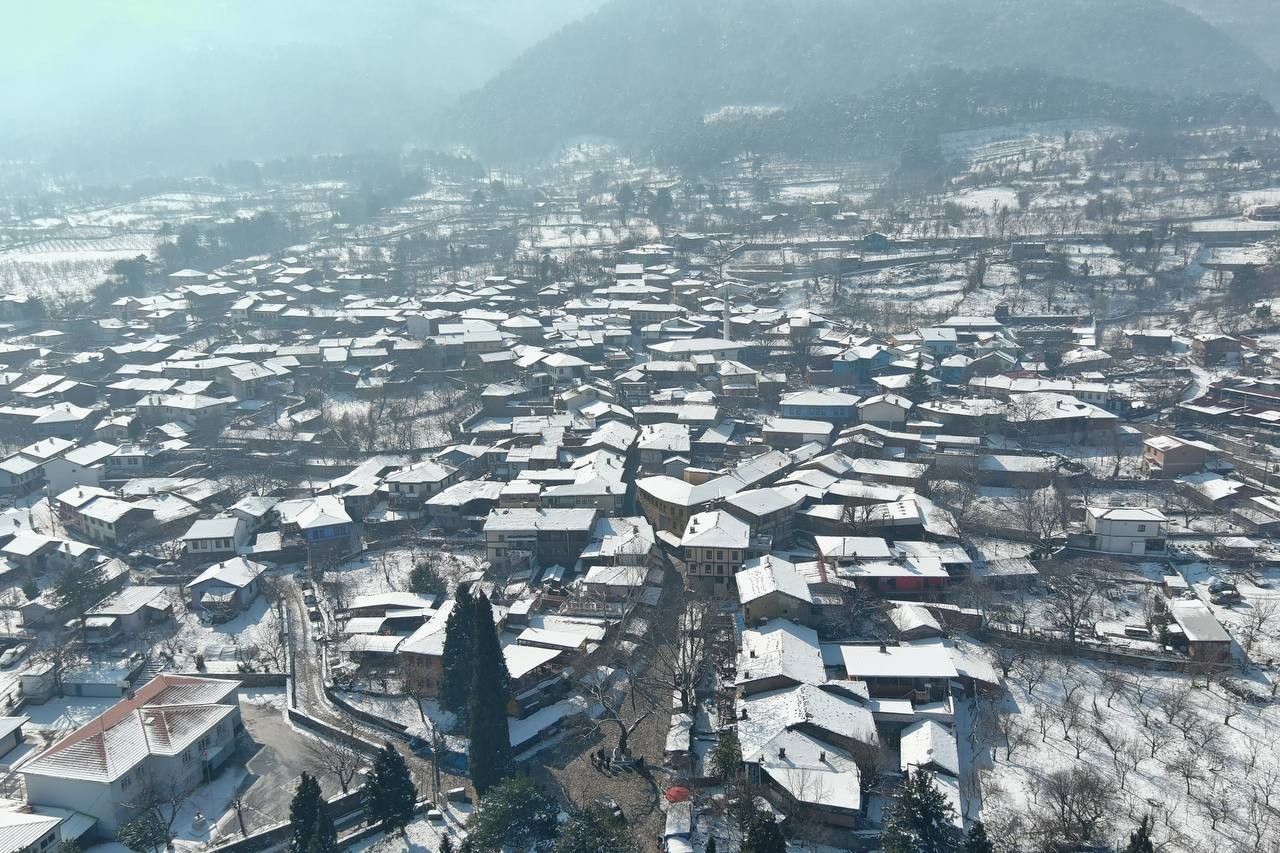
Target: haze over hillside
(142, 85)
(636, 63)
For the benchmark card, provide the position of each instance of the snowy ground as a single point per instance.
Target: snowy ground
(1197, 759)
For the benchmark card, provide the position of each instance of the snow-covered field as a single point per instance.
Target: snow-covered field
(1198, 760)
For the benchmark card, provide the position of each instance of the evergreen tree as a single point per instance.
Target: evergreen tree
(977, 841)
(306, 804)
(595, 829)
(920, 820)
(513, 815)
(390, 795)
(144, 833)
(761, 833)
(455, 685)
(446, 846)
(711, 845)
(726, 757)
(79, 587)
(424, 579)
(324, 837)
(1140, 838)
(490, 750)
(917, 390)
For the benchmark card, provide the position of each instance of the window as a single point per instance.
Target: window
(186, 757)
(222, 729)
(1142, 528)
(125, 783)
(203, 744)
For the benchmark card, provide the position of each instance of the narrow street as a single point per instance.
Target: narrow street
(306, 658)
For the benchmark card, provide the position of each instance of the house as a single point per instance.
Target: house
(1170, 457)
(110, 521)
(790, 433)
(714, 547)
(175, 732)
(1207, 641)
(133, 611)
(1210, 350)
(835, 406)
(884, 410)
(414, 484)
(1126, 530)
(771, 588)
(323, 525)
(776, 655)
(227, 587)
(537, 537)
(770, 511)
(215, 538)
(83, 466)
(615, 583)
(19, 476)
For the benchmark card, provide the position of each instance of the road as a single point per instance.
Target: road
(309, 680)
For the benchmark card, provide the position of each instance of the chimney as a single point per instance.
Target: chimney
(782, 752)
(753, 652)
(884, 650)
(744, 714)
(822, 756)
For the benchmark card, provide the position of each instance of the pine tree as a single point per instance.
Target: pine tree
(761, 834)
(1140, 838)
(446, 846)
(391, 796)
(917, 390)
(977, 841)
(455, 685)
(324, 837)
(303, 809)
(513, 815)
(920, 820)
(711, 845)
(595, 829)
(489, 757)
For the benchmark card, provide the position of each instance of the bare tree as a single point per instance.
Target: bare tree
(680, 662)
(1075, 595)
(339, 755)
(161, 796)
(1076, 806)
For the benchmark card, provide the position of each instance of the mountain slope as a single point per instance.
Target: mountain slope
(635, 63)
(1254, 23)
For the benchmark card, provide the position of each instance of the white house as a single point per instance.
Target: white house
(1123, 530)
(83, 466)
(176, 732)
(216, 538)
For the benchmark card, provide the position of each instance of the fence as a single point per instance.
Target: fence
(320, 727)
(1057, 646)
(345, 809)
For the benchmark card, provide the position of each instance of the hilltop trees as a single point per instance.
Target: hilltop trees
(490, 750)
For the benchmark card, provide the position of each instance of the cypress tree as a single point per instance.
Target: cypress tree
(324, 838)
(455, 686)
(920, 820)
(302, 813)
(391, 796)
(977, 841)
(490, 750)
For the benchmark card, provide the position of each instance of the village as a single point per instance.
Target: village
(781, 492)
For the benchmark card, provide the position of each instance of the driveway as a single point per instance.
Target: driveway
(279, 754)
